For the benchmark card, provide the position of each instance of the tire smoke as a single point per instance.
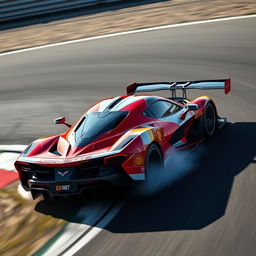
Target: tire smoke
(177, 165)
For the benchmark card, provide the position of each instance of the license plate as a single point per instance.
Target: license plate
(63, 188)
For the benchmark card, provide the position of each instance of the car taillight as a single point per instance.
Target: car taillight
(115, 159)
(22, 167)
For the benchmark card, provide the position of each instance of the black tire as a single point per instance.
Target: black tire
(154, 166)
(208, 121)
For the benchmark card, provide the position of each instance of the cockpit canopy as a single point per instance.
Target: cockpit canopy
(95, 124)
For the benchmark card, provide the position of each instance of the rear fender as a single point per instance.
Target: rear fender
(202, 102)
(134, 166)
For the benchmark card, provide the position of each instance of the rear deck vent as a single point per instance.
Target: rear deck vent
(115, 103)
(54, 150)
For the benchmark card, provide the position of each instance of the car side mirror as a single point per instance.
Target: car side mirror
(61, 120)
(193, 106)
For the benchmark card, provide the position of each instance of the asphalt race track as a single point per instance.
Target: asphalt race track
(209, 212)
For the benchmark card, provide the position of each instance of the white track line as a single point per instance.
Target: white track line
(127, 33)
(8, 155)
(90, 213)
(15, 148)
(7, 160)
(95, 231)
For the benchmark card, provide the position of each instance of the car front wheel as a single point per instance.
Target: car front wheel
(209, 120)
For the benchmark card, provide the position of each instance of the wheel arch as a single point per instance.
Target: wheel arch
(157, 144)
(214, 106)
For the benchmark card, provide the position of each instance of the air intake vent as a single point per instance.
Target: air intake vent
(54, 150)
(115, 103)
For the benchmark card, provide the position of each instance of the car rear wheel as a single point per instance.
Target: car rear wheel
(154, 166)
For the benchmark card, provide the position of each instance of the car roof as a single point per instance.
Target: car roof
(121, 103)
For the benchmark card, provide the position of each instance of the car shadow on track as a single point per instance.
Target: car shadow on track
(79, 209)
(195, 201)
(201, 197)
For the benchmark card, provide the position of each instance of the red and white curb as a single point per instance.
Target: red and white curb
(8, 155)
(13, 148)
(95, 215)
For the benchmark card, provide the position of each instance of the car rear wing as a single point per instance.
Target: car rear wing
(182, 85)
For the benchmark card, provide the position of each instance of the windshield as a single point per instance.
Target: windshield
(96, 124)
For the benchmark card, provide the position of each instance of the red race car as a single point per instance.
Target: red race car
(120, 140)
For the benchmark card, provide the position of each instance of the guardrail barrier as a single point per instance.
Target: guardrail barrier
(17, 9)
